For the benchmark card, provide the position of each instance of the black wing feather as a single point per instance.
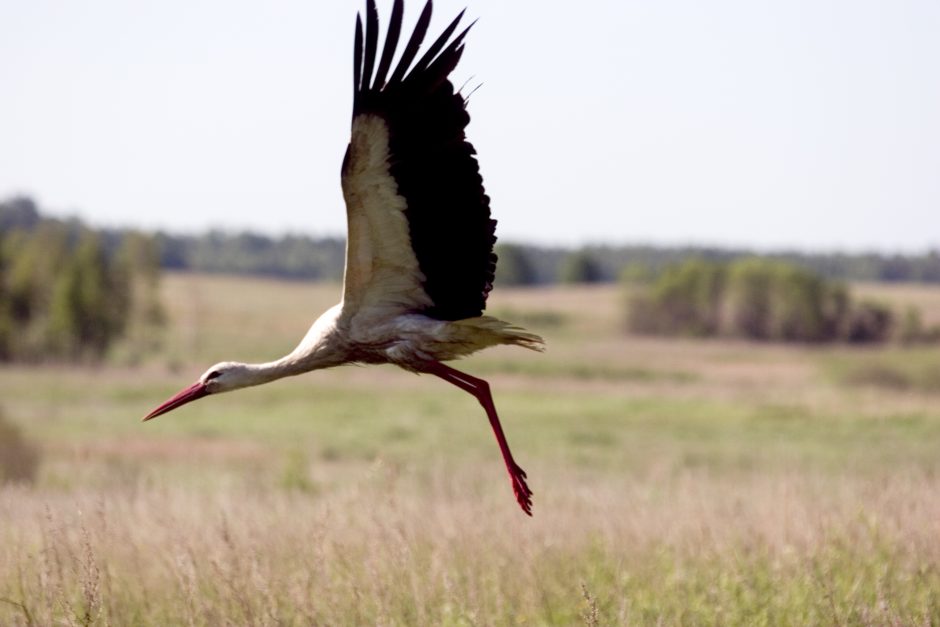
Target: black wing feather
(372, 42)
(417, 36)
(444, 64)
(357, 63)
(428, 56)
(448, 211)
(391, 42)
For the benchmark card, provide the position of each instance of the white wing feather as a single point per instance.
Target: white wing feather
(381, 267)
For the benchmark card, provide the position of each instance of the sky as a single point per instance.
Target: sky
(802, 124)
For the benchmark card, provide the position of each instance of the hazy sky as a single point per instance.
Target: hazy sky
(801, 123)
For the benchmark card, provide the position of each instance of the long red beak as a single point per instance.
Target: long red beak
(194, 392)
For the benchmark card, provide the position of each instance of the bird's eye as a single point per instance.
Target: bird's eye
(213, 375)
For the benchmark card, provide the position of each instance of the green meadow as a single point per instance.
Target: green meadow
(676, 481)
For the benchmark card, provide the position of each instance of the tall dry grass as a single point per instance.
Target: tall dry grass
(438, 549)
(676, 482)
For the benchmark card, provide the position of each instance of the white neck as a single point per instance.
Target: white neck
(320, 348)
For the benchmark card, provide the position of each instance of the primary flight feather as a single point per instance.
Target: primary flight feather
(419, 251)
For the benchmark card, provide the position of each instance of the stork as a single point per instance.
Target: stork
(419, 252)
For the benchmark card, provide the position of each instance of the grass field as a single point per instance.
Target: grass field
(676, 482)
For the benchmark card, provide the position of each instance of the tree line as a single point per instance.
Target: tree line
(286, 257)
(70, 292)
(67, 293)
(322, 258)
(532, 265)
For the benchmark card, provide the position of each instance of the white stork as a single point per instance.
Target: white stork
(419, 253)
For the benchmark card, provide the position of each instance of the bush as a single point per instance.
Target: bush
(19, 459)
(868, 322)
(750, 292)
(686, 300)
(805, 307)
(753, 298)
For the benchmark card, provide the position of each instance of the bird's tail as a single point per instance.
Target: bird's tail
(525, 339)
(505, 333)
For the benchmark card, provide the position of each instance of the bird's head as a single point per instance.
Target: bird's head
(222, 377)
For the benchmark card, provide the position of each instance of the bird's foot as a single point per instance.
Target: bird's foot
(520, 487)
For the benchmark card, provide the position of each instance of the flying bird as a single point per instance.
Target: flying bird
(419, 252)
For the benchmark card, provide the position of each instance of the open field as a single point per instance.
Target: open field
(676, 482)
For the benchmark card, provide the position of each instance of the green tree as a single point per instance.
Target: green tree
(89, 303)
(514, 266)
(64, 293)
(137, 271)
(35, 261)
(801, 307)
(750, 293)
(18, 212)
(689, 297)
(580, 267)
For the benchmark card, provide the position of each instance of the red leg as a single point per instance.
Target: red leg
(481, 390)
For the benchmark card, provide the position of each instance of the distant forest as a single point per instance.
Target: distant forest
(68, 293)
(304, 257)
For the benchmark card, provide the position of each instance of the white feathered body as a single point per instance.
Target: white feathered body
(408, 340)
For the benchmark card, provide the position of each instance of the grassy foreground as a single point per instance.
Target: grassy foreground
(676, 482)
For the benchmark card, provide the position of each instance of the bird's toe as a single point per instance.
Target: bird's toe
(521, 489)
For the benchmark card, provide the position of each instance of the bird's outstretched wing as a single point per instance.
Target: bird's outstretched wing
(420, 233)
